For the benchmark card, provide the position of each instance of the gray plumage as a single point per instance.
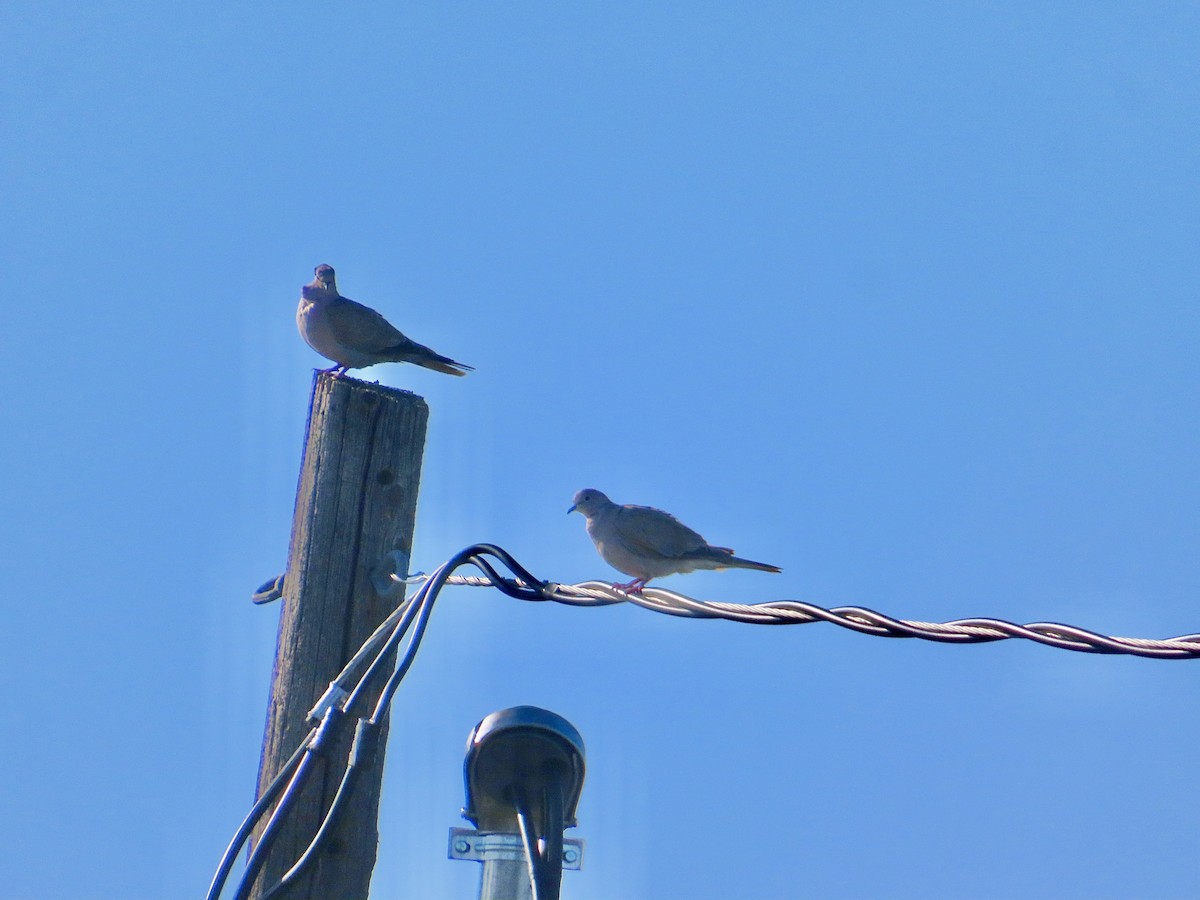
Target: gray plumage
(355, 336)
(648, 543)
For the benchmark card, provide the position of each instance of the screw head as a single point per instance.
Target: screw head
(461, 845)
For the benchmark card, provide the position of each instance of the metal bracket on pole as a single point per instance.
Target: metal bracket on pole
(484, 846)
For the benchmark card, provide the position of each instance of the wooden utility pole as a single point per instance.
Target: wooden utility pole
(355, 504)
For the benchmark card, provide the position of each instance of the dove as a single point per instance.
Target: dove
(355, 336)
(648, 543)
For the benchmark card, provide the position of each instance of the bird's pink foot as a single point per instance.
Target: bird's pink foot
(632, 587)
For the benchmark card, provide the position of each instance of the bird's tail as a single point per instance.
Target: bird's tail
(420, 355)
(736, 562)
(443, 364)
(725, 559)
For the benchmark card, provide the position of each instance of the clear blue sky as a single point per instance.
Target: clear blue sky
(900, 297)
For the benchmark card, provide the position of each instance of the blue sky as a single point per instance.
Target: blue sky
(899, 297)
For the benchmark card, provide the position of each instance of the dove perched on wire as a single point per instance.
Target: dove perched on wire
(355, 336)
(648, 543)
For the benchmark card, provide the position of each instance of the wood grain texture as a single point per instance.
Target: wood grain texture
(356, 502)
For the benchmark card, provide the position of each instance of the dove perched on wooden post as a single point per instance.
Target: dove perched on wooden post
(355, 336)
(648, 543)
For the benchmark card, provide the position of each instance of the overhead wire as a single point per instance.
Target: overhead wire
(346, 693)
(975, 630)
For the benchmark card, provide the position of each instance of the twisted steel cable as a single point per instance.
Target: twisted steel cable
(976, 630)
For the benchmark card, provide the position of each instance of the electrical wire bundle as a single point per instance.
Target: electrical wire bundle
(344, 699)
(345, 694)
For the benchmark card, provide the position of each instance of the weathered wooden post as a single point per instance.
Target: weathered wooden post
(356, 503)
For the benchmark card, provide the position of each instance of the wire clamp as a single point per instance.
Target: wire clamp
(482, 846)
(335, 695)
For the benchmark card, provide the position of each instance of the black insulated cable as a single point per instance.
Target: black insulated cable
(313, 749)
(362, 756)
(260, 806)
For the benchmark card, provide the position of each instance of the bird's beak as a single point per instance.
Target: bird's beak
(571, 510)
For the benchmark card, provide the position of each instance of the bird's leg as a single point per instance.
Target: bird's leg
(331, 370)
(632, 587)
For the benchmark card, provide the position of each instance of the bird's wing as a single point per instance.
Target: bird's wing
(646, 530)
(360, 327)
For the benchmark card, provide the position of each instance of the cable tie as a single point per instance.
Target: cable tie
(335, 696)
